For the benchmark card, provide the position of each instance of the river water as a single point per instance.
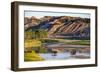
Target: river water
(67, 55)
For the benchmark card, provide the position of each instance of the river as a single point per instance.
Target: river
(67, 55)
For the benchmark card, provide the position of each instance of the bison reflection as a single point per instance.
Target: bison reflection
(72, 52)
(54, 53)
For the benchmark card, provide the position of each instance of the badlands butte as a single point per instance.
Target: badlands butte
(60, 26)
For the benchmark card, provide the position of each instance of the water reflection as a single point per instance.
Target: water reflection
(62, 53)
(66, 55)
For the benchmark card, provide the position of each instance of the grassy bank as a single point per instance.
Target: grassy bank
(32, 56)
(81, 42)
(69, 42)
(32, 43)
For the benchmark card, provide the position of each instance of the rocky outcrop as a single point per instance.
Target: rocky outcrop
(29, 22)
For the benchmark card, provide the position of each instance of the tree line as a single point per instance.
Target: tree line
(37, 34)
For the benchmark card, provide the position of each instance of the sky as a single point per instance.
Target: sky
(40, 14)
